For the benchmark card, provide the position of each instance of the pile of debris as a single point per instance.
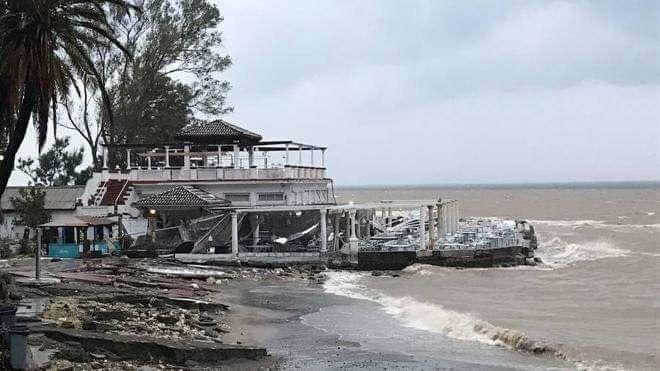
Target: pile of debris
(140, 316)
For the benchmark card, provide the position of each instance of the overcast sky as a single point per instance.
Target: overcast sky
(426, 92)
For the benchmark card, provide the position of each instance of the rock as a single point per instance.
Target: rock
(210, 280)
(67, 324)
(64, 365)
(194, 286)
(376, 273)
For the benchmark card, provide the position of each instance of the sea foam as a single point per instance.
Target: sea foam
(434, 317)
(558, 253)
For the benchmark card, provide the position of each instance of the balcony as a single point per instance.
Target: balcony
(219, 174)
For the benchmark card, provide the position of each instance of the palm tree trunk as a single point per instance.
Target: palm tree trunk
(16, 139)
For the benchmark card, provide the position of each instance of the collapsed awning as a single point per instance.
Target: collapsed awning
(78, 221)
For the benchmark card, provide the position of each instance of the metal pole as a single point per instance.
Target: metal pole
(324, 231)
(37, 254)
(128, 159)
(234, 233)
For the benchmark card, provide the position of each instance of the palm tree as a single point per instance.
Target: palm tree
(44, 51)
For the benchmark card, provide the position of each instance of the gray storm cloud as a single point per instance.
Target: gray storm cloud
(440, 92)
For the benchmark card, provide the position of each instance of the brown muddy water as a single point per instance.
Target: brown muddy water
(596, 300)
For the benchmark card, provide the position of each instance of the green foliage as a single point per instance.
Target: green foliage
(57, 166)
(30, 206)
(176, 47)
(45, 49)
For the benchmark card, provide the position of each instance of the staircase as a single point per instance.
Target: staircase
(116, 190)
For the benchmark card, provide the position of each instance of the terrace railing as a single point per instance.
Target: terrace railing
(220, 174)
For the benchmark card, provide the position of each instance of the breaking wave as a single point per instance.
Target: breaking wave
(558, 253)
(435, 318)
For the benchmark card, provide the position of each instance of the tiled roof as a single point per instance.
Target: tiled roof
(182, 196)
(218, 130)
(57, 198)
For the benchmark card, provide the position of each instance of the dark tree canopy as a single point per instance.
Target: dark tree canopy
(57, 166)
(173, 75)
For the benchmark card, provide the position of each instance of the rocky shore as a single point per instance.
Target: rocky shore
(123, 314)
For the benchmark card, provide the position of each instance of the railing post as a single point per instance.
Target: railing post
(286, 154)
(128, 159)
(167, 156)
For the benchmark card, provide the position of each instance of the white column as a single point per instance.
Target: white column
(324, 231)
(128, 159)
(234, 233)
(236, 156)
(431, 226)
(422, 227)
(149, 161)
(389, 217)
(219, 164)
(251, 157)
(255, 234)
(186, 157)
(286, 154)
(438, 206)
(323, 158)
(167, 156)
(105, 157)
(300, 162)
(311, 158)
(451, 218)
(448, 216)
(353, 241)
(443, 219)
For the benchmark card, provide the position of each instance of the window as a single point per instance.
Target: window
(237, 197)
(271, 196)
